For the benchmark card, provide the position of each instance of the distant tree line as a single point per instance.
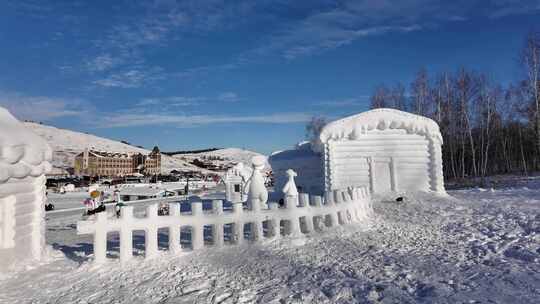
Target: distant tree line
(488, 128)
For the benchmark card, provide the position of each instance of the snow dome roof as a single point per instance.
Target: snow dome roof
(22, 153)
(353, 126)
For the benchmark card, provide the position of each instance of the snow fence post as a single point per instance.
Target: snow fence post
(238, 210)
(274, 222)
(126, 234)
(339, 199)
(174, 230)
(318, 222)
(330, 205)
(151, 246)
(303, 199)
(100, 238)
(197, 232)
(291, 203)
(256, 226)
(217, 231)
(309, 218)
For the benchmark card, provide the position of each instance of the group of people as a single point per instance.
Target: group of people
(94, 204)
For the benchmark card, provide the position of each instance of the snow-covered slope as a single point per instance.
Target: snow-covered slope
(67, 144)
(227, 156)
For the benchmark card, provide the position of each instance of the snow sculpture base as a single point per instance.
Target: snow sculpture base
(300, 215)
(24, 160)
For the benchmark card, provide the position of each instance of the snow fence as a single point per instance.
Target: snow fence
(298, 215)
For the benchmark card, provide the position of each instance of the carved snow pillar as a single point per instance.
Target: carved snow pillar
(151, 241)
(291, 203)
(394, 174)
(100, 238)
(371, 174)
(330, 204)
(197, 231)
(126, 234)
(174, 230)
(318, 221)
(436, 182)
(217, 230)
(238, 226)
(328, 166)
(274, 222)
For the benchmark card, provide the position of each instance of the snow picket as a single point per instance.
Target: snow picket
(340, 207)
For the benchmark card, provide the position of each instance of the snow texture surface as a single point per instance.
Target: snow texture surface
(479, 246)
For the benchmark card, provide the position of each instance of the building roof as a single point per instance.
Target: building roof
(22, 152)
(354, 126)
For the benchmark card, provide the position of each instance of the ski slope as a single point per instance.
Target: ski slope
(476, 246)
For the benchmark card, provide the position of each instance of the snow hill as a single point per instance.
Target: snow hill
(67, 144)
(227, 156)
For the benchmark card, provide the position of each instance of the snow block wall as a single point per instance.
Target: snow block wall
(382, 149)
(307, 163)
(24, 160)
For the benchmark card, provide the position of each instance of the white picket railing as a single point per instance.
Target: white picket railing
(300, 214)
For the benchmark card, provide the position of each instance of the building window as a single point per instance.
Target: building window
(236, 188)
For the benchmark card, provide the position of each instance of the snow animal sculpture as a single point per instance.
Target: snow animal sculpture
(383, 149)
(257, 195)
(24, 160)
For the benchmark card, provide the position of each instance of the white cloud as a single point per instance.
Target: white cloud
(177, 101)
(228, 97)
(345, 102)
(132, 78)
(131, 120)
(103, 62)
(184, 101)
(41, 108)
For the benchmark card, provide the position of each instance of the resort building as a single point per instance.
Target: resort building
(100, 163)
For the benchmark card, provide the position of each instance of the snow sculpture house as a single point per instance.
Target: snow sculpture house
(236, 180)
(24, 160)
(383, 149)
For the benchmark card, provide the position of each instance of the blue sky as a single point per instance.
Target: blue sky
(249, 74)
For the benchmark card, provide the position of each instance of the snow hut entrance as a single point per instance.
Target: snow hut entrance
(381, 175)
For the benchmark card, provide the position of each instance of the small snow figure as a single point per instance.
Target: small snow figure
(257, 190)
(290, 188)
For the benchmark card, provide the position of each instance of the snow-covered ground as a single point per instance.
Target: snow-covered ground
(477, 246)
